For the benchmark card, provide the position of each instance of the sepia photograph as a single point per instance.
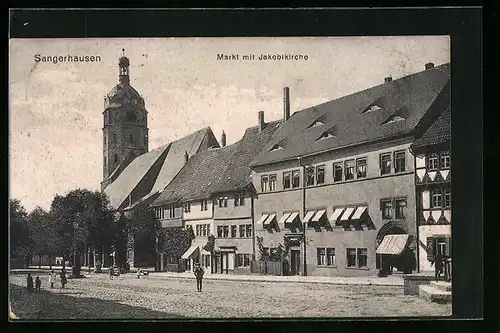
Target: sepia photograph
(230, 177)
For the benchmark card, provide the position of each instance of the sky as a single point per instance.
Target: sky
(55, 109)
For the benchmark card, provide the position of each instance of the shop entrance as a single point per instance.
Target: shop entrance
(294, 262)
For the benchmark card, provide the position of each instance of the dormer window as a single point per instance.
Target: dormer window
(330, 133)
(276, 147)
(392, 119)
(372, 108)
(375, 106)
(325, 135)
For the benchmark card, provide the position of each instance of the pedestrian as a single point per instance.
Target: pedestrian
(198, 272)
(437, 261)
(52, 278)
(111, 272)
(29, 282)
(38, 284)
(63, 279)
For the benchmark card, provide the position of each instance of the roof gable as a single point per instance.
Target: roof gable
(409, 98)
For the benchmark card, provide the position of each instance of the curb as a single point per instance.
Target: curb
(360, 283)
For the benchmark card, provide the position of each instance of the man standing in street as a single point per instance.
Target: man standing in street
(198, 272)
(438, 265)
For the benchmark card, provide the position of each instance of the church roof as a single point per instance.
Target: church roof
(388, 110)
(170, 155)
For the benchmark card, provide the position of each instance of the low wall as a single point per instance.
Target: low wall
(412, 281)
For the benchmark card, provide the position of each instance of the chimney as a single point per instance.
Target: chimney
(223, 139)
(429, 65)
(186, 156)
(388, 79)
(286, 103)
(262, 124)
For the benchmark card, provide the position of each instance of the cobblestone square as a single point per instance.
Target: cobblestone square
(126, 297)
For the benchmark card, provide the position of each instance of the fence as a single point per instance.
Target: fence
(268, 267)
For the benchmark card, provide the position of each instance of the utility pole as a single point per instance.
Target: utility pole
(304, 184)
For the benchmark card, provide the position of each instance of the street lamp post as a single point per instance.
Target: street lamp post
(304, 184)
(75, 225)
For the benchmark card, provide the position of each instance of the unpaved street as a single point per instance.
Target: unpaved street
(97, 297)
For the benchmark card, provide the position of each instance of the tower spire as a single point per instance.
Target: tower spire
(123, 65)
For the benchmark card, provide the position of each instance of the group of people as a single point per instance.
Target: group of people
(37, 284)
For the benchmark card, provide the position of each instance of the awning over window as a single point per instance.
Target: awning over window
(336, 214)
(359, 211)
(393, 244)
(347, 213)
(262, 218)
(283, 218)
(292, 218)
(190, 252)
(308, 216)
(319, 215)
(269, 219)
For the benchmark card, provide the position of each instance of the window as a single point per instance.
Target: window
(349, 169)
(204, 205)
(223, 202)
(436, 199)
(207, 260)
(239, 260)
(172, 211)
(187, 207)
(233, 231)
(208, 229)
(225, 229)
(272, 182)
(131, 139)
(432, 163)
(198, 230)
(115, 158)
(310, 176)
(242, 230)
(400, 161)
(264, 183)
(320, 174)
(239, 200)
(445, 160)
(361, 167)
(220, 231)
(131, 116)
(321, 256)
(385, 164)
(249, 230)
(351, 257)
(286, 180)
(330, 256)
(337, 172)
(362, 257)
(246, 259)
(386, 205)
(295, 178)
(447, 197)
(400, 208)
(204, 230)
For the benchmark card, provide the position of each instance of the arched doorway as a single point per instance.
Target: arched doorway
(404, 262)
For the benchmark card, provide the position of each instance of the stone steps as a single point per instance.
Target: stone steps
(441, 285)
(434, 293)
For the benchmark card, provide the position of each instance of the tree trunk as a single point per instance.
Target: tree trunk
(39, 261)
(50, 261)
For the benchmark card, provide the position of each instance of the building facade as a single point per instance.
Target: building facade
(340, 176)
(433, 191)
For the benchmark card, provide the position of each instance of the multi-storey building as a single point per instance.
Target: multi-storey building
(212, 194)
(433, 190)
(335, 179)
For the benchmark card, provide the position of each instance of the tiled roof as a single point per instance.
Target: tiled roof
(238, 172)
(120, 189)
(344, 122)
(195, 179)
(438, 132)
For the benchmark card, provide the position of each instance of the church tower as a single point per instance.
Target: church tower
(125, 130)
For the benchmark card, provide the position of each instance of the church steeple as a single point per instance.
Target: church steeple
(123, 65)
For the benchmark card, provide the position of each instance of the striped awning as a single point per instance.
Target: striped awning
(292, 218)
(359, 211)
(393, 244)
(262, 218)
(319, 215)
(347, 213)
(284, 217)
(269, 219)
(308, 216)
(190, 252)
(336, 214)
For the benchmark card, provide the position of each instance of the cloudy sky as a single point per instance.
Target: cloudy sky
(56, 109)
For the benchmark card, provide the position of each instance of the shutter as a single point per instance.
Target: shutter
(430, 248)
(448, 246)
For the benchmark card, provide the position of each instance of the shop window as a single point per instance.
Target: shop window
(321, 255)
(330, 256)
(351, 257)
(362, 257)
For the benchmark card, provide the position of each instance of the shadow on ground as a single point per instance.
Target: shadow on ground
(61, 305)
